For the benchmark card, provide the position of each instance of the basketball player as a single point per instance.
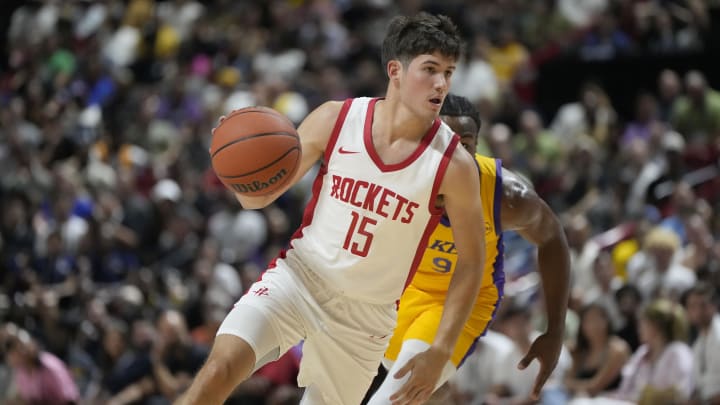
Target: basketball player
(509, 203)
(390, 168)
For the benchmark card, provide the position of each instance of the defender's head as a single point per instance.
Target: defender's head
(463, 118)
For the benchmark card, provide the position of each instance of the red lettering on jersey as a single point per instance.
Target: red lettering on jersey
(370, 197)
(401, 201)
(376, 198)
(346, 189)
(353, 198)
(335, 186)
(410, 211)
(384, 202)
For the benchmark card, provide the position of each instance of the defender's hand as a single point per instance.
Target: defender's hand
(546, 349)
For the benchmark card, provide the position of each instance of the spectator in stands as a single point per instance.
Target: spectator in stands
(109, 210)
(512, 384)
(629, 300)
(660, 371)
(592, 116)
(696, 115)
(538, 154)
(701, 302)
(690, 218)
(598, 356)
(646, 116)
(605, 40)
(39, 376)
(175, 357)
(606, 284)
(583, 253)
(473, 381)
(506, 54)
(669, 90)
(656, 270)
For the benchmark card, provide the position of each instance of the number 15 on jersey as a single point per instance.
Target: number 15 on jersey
(359, 237)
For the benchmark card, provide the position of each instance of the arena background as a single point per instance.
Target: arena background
(121, 252)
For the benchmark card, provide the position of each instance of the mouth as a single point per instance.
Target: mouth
(436, 103)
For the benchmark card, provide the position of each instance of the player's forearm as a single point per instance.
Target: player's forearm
(459, 303)
(554, 269)
(212, 385)
(254, 203)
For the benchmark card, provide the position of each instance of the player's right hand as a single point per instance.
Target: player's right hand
(424, 369)
(546, 349)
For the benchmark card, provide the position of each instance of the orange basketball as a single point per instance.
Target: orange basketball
(255, 151)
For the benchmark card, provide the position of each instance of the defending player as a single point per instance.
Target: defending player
(509, 203)
(390, 168)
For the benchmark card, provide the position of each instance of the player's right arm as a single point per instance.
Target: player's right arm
(460, 189)
(525, 212)
(314, 133)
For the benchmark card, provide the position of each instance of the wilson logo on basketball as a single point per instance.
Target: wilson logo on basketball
(256, 186)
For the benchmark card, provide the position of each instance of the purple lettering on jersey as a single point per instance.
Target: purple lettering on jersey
(439, 245)
(443, 246)
(384, 202)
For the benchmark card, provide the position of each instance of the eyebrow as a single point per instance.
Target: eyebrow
(432, 62)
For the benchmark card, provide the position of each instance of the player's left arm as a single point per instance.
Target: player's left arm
(525, 212)
(460, 189)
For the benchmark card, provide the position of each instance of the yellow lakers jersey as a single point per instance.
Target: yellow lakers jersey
(440, 256)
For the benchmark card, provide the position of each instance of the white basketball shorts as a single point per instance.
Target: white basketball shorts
(344, 339)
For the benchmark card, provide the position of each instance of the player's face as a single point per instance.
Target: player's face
(425, 82)
(466, 128)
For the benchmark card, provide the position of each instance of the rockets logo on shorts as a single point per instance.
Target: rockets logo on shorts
(261, 291)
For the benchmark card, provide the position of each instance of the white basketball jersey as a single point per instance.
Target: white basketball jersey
(367, 224)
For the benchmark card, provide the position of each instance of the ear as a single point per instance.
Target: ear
(394, 69)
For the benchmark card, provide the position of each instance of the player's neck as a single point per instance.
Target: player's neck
(393, 121)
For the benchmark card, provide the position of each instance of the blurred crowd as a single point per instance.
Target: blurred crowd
(121, 252)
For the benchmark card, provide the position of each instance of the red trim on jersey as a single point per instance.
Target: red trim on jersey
(317, 184)
(435, 211)
(367, 138)
(422, 245)
(444, 163)
(339, 122)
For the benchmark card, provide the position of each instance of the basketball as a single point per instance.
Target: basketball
(255, 151)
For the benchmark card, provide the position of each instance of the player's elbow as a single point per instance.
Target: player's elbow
(219, 370)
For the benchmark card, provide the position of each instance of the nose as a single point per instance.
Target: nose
(441, 82)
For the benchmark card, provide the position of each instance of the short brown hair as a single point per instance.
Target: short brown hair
(408, 37)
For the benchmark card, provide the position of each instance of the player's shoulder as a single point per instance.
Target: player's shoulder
(461, 162)
(328, 110)
(317, 127)
(516, 186)
(459, 174)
